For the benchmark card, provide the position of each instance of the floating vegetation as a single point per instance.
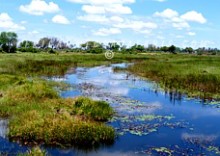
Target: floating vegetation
(163, 151)
(175, 150)
(145, 124)
(214, 149)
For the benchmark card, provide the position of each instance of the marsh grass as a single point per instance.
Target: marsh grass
(55, 65)
(197, 76)
(39, 116)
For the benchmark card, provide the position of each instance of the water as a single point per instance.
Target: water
(148, 120)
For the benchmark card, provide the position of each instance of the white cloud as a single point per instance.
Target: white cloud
(168, 13)
(111, 8)
(107, 32)
(6, 22)
(180, 21)
(39, 7)
(91, 9)
(60, 19)
(136, 25)
(181, 25)
(102, 2)
(116, 19)
(118, 9)
(191, 33)
(193, 16)
(94, 18)
(34, 32)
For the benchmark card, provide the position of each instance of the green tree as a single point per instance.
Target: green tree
(8, 41)
(172, 49)
(137, 48)
(189, 50)
(114, 46)
(27, 44)
(92, 47)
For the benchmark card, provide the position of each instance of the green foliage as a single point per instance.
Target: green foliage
(114, 46)
(92, 47)
(138, 48)
(97, 110)
(8, 41)
(27, 44)
(194, 75)
(38, 115)
(189, 50)
(172, 49)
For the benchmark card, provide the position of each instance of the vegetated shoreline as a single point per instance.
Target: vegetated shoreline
(195, 76)
(38, 115)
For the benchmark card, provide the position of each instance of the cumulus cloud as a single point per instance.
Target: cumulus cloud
(6, 22)
(180, 21)
(107, 32)
(193, 16)
(94, 18)
(168, 13)
(60, 19)
(105, 7)
(39, 7)
(136, 25)
(111, 9)
(112, 14)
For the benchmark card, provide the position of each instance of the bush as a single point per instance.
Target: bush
(7, 49)
(31, 50)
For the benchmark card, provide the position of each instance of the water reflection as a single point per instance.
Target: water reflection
(147, 118)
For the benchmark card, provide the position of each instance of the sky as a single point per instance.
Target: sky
(184, 23)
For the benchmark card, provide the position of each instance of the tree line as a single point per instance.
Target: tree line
(9, 44)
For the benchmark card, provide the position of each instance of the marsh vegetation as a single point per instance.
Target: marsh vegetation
(38, 114)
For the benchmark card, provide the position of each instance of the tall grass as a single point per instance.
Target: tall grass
(39, 116)
(54, 65)
(194, 75)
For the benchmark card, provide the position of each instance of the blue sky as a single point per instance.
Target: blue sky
(161, 22)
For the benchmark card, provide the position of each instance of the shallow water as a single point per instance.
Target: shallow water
(148, 121)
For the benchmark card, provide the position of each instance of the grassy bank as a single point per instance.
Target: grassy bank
(39, 116)
(197, 76)
(43, 64)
